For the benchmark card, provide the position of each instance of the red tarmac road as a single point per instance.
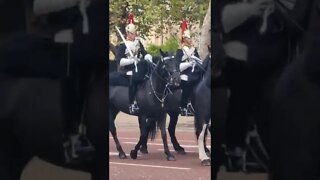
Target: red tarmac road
(154, 165)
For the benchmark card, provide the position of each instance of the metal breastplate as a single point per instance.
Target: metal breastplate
(187, 53)
(134, 46)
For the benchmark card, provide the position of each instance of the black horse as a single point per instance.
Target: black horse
(172, 103)
(295, 126)
(287, 110)
(150, 98)
(201, 101)
(33, 111)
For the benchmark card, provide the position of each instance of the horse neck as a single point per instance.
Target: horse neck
(158, 82)
(208, 71)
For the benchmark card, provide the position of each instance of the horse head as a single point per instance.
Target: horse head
(169, 63)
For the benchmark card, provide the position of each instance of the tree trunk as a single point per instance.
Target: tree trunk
(205, 38)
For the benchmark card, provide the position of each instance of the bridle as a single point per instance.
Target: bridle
(284, 10)
(162, 96)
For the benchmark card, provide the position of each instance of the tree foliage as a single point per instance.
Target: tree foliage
(171, 45)
(156, 15)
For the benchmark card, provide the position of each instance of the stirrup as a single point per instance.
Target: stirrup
(185, 112)
(76, 147)
(133, 108)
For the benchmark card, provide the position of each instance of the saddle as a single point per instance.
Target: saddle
(25, 55)
(119, 79)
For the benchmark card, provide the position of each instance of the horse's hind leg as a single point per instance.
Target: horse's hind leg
(172, 132)
(170, 157)
(205, 160)
(113, 130)
(142, 126)
(208, 153)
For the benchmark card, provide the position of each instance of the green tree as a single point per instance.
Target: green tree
(156, 15)
(171, 45)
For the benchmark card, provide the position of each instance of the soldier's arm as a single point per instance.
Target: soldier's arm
(122, 59)
(233, 15)
(183, 65)
(121, 53)
(142, 49)
(144, 53)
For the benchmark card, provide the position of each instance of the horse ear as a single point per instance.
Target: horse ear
(161, 52)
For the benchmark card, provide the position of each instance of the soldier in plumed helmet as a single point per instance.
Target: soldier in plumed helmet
(135, 66)
(189, 73)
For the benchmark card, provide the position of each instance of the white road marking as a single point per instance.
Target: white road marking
(116, 154)
(185, 151)
(145, 165)
(160, 144)
(157, 139)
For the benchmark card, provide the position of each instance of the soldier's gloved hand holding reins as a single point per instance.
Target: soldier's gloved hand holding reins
(185, 65)
(128, 61)
(148, 57)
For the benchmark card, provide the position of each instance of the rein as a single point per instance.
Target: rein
(160, 96)
(284, 10)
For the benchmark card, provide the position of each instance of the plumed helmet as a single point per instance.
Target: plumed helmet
(131, 27)
(185, 33)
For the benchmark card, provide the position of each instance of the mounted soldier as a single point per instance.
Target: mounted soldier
(257, 48)
(190, 73)
(130, 57)
(69, 25)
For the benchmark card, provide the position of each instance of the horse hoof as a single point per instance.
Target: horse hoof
(180, 150)
(144, 150)
(133, 154)
(206, 162)
(122, 156)
(170, 158)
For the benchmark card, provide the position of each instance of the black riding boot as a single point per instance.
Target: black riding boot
(76, 145)
(133, 108)
(186, 91)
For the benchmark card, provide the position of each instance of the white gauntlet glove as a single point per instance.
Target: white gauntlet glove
(127, 61)
(148, 57)
(185, 65)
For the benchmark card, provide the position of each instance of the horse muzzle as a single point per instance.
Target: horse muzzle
(175, 80)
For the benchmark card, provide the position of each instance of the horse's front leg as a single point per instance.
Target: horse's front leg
(142, 126)
(162, 124)
(172, 132)
(142, 140)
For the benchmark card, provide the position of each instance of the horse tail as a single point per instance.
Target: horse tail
(154, 126)
(153, 130)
